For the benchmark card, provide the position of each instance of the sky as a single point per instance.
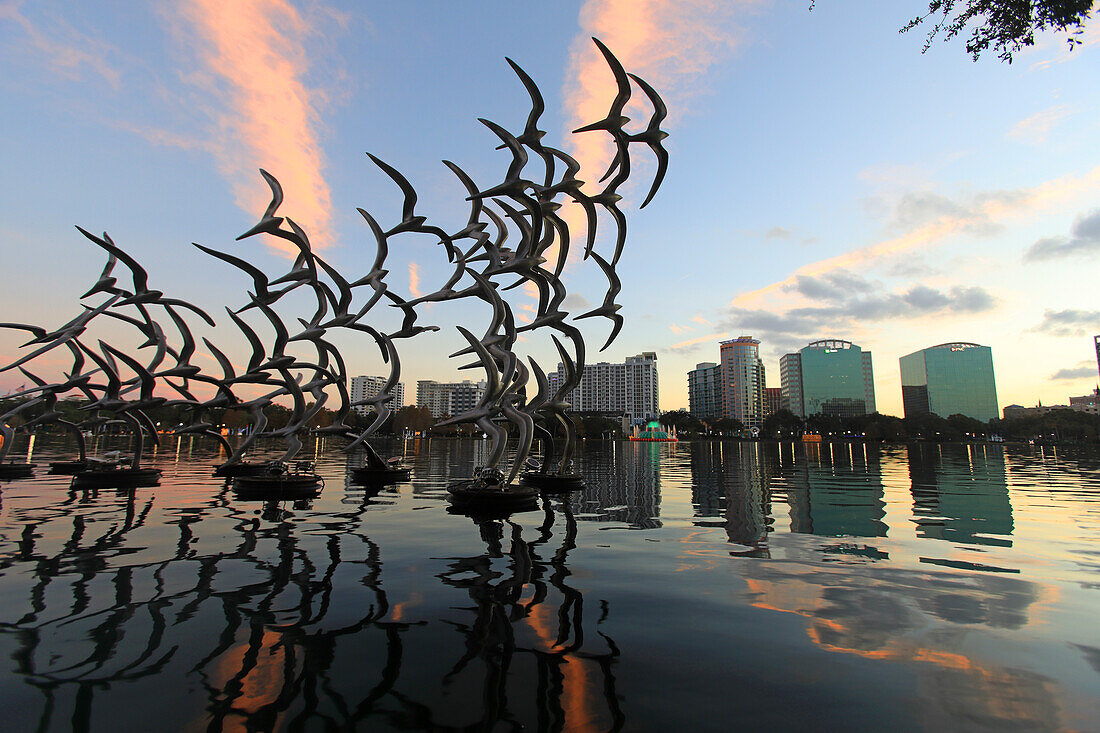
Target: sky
(827, 178)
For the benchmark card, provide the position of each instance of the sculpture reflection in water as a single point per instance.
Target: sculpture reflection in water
(282, 627)
(528, 631)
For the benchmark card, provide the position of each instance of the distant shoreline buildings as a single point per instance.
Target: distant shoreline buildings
(835, 377)
(828, 376)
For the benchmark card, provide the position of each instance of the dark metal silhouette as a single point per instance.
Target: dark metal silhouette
(514, 236)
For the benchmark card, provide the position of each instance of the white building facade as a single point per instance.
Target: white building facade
(448, 398)
(629, 388)
(365, 387)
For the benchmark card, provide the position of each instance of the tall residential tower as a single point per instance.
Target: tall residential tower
(365, 387)
(742, 375)
(627, 389)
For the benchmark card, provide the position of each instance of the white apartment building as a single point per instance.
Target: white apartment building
(629, 388)
(365, 387)
(448, 398)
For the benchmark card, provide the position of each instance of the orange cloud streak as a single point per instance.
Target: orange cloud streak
(667, 43)
(414, 280)
(254, 49)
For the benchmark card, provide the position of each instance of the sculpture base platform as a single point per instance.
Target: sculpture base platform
(476, 493)
(277, 487)
(116, 478)
(232, 470)
(375, 476)
(16, 470)
(553, 481)
(69, 468)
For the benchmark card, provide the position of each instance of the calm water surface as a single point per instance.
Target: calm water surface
(696, 586)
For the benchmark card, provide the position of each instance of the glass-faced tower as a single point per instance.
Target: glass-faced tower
(950, 379)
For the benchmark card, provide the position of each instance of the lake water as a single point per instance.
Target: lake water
(698, 586)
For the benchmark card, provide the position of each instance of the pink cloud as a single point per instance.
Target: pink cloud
(670, 44)
(254, 59)
(414, 280)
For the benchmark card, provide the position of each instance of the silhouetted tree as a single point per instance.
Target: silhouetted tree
(416, 419)
(1006, 26)
(825, 424)
(683, 421)
(596, 426)
(1055, 426)
(727, 425)
(877, 426)
(782, 424)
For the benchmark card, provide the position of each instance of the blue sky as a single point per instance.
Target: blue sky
(827, 179)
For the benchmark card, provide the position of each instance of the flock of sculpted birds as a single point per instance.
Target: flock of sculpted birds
(518, 399)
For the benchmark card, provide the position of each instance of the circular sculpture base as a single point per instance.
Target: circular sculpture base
(375, 476)
(553, 481)
(284, 486)
(475, 493)
(116, 478)
(232, 470)
(16, 470)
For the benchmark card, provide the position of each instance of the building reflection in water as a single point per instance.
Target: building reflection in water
(622, 482)
(961, 496)
(122, 607)
(835, 490)
(730, 489)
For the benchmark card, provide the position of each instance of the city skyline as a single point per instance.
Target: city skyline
(803, 200)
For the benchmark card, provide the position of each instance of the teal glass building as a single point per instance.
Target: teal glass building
(950, 379)
(831, 377)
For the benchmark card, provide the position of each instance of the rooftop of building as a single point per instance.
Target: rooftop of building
(831, 344)
(957, 346)
(948, 346)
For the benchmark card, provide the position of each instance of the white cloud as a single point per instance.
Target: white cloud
(1035, 129)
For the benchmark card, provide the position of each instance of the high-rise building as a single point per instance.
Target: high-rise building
(627, 389)
(773, 400)
(790, 377)
(448, 398)
(830, 376)
(1096, 343)
(705, 390)
(364, 387)
(742, 381)
(949, 379)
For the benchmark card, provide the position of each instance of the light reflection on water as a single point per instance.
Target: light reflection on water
(702, 584)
